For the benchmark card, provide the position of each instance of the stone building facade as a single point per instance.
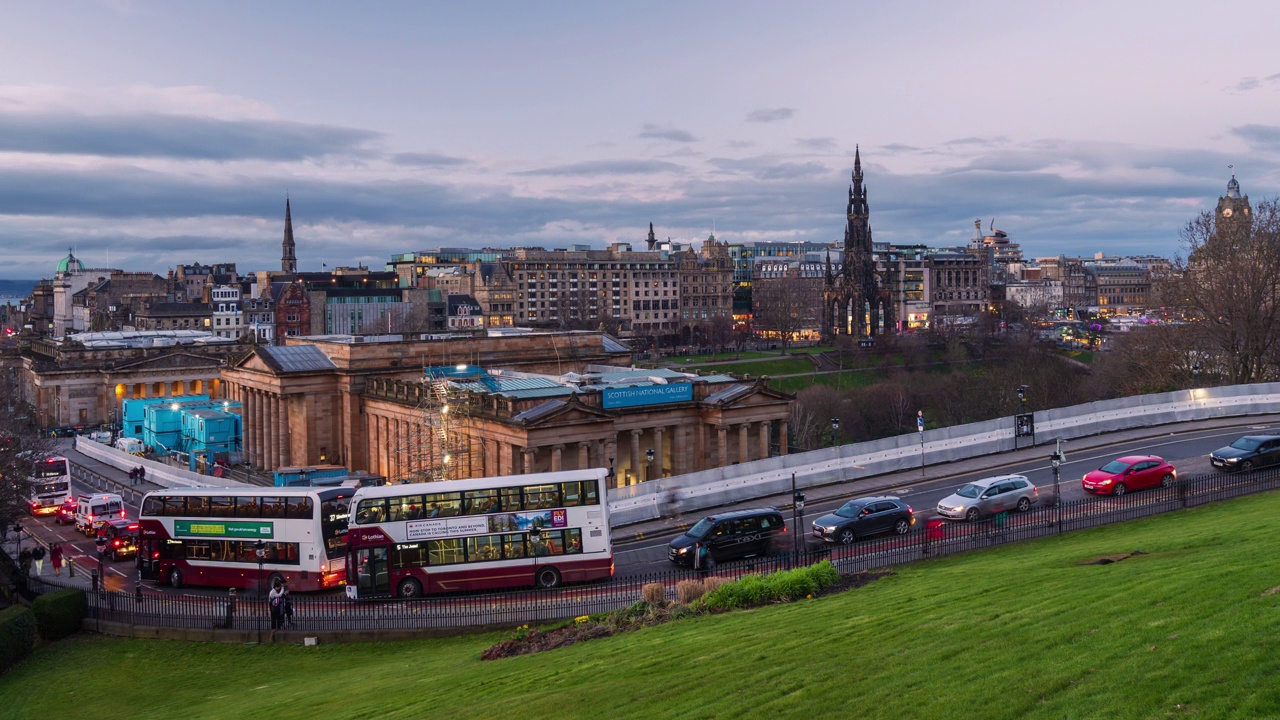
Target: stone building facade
(304, 401)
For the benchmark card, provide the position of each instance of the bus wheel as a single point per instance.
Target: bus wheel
(274, 578)
(409, 588)
(548, 577)
(175, 578)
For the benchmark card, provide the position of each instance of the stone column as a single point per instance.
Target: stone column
(744, 454)
(701, 448)
(722, 445)
(658, 468)
(260, 430)
(286, 449)
(528, 454)
(584, 455)
(764, 439)
(783, 440)
(556, 452)
(635, 455)
(506, 457)
(611, 460)
(268, 415)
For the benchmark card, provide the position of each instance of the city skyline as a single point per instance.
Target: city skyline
(142, 143)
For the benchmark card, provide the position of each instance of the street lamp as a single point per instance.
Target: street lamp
(1195, 374)
(835, 430)
(260, 549)
(648, 456)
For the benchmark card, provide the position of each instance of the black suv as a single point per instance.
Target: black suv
(865, 516)
(729, 535)
(1247, 453)
(122, 538)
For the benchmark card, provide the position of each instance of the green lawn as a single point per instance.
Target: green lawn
(846, 379)
(1023, 630)
(772, 368)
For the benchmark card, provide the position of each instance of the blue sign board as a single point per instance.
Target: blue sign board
(647, 395)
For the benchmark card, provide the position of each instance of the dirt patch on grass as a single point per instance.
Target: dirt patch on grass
(1108, 559)
(538, 641)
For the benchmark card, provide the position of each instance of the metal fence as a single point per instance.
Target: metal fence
(248, 611)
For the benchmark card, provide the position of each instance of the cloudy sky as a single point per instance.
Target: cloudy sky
(146, 134)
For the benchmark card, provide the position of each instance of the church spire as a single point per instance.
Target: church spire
(288, 261)
(653, 241)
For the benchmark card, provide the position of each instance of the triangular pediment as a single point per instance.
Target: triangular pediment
(253, 362)
(752, 395)
(169, 361)
(557, 412)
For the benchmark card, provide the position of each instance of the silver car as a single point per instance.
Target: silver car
(989, 496)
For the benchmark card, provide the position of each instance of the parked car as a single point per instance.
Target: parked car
(1132, 472)
(865, 516)
(729, 535)
(1247, 453)
(986, 497)
(121, 538)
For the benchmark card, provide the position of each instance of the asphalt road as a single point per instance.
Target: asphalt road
(1187, 450)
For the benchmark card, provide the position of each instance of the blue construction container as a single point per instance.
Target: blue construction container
(291, 476)
(131, 411)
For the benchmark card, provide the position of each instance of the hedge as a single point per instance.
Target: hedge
(17, 635)
(60, 613)
(785, 585)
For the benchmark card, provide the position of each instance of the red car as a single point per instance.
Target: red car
(66, 512)
(1132, 472)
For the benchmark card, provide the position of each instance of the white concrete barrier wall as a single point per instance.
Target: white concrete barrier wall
(157, 472)
(762, 478)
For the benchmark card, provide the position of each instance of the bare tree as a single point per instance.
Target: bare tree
(784, 306)
(22, 447)
(1229, 285)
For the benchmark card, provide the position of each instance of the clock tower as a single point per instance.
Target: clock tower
(1233, 208)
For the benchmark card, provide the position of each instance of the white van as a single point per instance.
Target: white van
(93, 511)
(133, 446)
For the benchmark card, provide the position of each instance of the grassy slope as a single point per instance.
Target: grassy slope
(1019, 631)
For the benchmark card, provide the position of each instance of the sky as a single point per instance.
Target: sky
(149, 134)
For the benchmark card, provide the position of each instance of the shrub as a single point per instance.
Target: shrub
(752, 590)
(17, 635)
(654, 593)
(60, 613)
(711, 582)
(687, 591)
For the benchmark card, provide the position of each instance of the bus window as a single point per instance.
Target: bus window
(479, 502)
(246, 552)
(371, 511)
(484, 548)
(223, 550)
(222, 506)
(333, 525)
(572, 541)
(572, 492)
(511, 500)
(513, 546)
(273, 507)
(173, 550)
(445, 552)
(444, 504)
(410, 555)
(299, 508)
(153, 506)
(247, 507)
(197, 506)
(197, 549)
(173, 505)
(541, 497)
(590, 495)
(408, 507)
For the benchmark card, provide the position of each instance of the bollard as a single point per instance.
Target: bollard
(94, 579)
(137, 589)
(71, 566)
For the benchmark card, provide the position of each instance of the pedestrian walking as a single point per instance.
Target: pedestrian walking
(286, 607)
(24, 562)
(55, 557)
(275, 603)
(37, 556)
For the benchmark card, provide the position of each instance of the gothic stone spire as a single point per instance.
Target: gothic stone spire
(288, 261)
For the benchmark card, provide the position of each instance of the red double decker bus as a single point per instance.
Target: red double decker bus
(540, 529)
(211, 536)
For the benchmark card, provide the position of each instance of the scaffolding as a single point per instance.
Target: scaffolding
(444, 450)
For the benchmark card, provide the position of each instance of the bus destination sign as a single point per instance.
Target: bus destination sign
(230, 529)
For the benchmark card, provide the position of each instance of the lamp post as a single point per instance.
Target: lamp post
(835, 431)
(648, 470)
(1195, 373)
(17, 527)
(260, 549)
(1058, 458)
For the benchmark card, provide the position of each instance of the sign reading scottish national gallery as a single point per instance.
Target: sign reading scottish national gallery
(647, 395)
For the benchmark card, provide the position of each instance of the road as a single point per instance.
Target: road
(1186, 449)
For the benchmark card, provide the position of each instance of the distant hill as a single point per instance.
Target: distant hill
(17, 288)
